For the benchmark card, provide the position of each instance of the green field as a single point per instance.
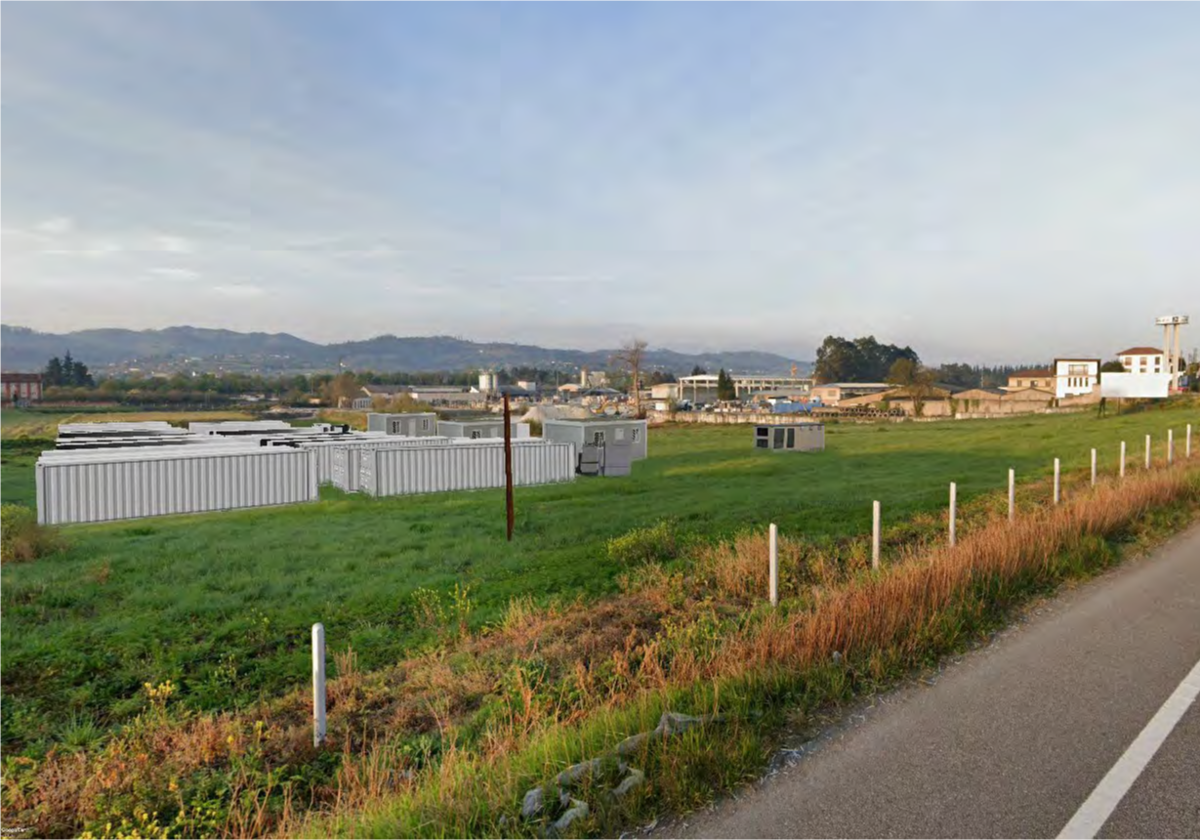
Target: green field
(222, 604)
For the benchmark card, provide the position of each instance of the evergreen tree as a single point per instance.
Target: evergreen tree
(53, 374)
(80, 377)
(725, 387)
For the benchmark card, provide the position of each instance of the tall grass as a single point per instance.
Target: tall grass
(448, 740)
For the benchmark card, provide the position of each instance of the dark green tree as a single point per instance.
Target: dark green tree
(53, 374)
(725, 387)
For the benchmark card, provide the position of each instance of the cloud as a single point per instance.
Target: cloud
(174, 244)
(241, 291)
(55, 226)
(173, 273)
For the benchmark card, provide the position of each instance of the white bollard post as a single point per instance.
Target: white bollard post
(1093, 466)
(1057, 486)
(1170, 447)
(1147, 451)
(875, 538)
(318, 645)
(774, 565)
(1012, 494)
(1122, 459)
(953, 509)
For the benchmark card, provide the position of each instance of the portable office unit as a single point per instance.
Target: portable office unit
(409, 425)
(481, 428)
(599, 431)
(798, 437)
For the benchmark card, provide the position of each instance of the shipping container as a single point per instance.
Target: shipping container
(93, 486)
(471, 465)
(224, 427)
(109, 430)
(346, 459)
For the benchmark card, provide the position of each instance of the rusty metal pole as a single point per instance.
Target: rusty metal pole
(508, 480)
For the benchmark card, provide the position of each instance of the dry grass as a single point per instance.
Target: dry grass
(444, 732)
(21, 537)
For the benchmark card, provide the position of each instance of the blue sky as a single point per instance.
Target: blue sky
(987, 182)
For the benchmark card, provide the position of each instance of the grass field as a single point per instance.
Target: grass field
(158, 668)
(222, 604)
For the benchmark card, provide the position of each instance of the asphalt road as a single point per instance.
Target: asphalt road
(1013, 739)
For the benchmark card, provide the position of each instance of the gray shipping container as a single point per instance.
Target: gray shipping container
(346, 457)
(618, 430)
(410, 425)
(468, 466)
(132, 483)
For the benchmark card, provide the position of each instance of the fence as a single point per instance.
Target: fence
(1168, 460)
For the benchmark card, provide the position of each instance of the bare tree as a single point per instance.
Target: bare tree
(629, 358)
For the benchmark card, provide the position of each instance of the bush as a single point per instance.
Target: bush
(22, 538)
(645, 545)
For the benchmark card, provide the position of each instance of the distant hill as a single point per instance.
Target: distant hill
(194, 348)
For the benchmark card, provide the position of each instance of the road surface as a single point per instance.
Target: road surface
(1015, 738)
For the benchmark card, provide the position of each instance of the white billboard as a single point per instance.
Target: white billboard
(1134, 385)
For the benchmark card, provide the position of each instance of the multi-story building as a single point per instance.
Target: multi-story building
(22, 387)
(1075, 377)
(1143, 360)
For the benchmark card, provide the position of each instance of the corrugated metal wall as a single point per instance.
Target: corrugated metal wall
(466, 466)
(345, 458)
(79, 487)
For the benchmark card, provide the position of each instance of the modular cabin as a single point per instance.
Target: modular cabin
(480, 429)
(410, 425)
(792, 437)
(598, 432)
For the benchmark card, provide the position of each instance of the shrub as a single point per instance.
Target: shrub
(22, 538)
(644, 545)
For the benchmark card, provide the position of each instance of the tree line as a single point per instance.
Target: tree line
(867, 360)
(68, 372)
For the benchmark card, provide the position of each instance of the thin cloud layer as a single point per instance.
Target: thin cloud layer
(983, 182)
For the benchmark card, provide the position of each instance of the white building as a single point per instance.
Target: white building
(1143, 360)
(1073, 377)
(599, 431)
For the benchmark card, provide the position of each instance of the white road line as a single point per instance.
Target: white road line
(1093, 813)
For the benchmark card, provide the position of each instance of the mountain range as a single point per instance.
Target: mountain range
(194, 348)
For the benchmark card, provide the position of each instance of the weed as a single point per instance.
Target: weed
(22, 538)
(655, 543)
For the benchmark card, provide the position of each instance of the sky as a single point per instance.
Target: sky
(984, 182)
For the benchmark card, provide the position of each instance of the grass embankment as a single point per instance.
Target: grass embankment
(447, 742)
(226, 619)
